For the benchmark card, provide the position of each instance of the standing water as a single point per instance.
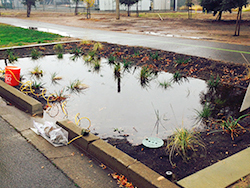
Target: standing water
(119, 107)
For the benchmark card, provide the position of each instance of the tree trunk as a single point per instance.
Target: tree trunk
(88, 11)
(117, 10)
(219, 16)
(137, 10)
(28, 9)
(128, 10)
(237, 28)
(76, 8)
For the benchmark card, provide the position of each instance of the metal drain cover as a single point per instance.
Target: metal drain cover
(153, 142)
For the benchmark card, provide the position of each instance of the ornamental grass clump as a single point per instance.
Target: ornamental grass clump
(97, 46)
(213, 83)
(146, 75)
(165, 84)
(126, 64)
(77, 85)
(181, 61)
(10, 57)
(204, 113)
(37, 71)
(37, 85)
(59, 50)
(183, 141)
(96, 64)
(232, 127)
(117, 70)
(35, 54)
(111, 59)
(178, 78)
(77, 53)
(154, 56)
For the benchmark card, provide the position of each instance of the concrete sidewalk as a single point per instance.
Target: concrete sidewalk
(220, 174)
(43, 165)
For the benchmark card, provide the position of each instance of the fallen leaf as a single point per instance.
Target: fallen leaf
(160, 178)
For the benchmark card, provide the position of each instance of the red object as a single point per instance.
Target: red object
(12, 75)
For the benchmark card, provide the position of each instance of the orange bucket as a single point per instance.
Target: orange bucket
(12, 75)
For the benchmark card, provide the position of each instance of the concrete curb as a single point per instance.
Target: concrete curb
(135, 171)
(19, 99)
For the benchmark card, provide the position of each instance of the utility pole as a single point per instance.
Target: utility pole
(117, 9)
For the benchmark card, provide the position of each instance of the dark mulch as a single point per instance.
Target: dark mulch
(219, 145)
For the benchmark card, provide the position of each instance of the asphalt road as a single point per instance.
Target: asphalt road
(22, 166)
(212, 50)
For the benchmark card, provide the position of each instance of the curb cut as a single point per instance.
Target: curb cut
(135, 171)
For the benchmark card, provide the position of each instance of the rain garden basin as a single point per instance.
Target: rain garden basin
(118, 107)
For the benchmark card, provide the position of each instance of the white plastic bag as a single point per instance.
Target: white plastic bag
(54, 134)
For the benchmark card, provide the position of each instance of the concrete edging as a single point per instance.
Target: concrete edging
(19, 99)
(135, 171)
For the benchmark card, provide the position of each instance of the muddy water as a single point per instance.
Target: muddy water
(116, 109)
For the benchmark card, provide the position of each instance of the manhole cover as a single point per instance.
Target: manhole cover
(153, 142)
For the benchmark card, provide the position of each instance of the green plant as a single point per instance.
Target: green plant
(181, 61)
(126, 64)
(77, 53)
(165, 84)
(37, 85)
(146, 75)
(86, 42)
(10, 56)
(203, 114)
(178, 77)
(218, 101)
(111, 59)
(96, 64)
(77, 85)
(232, 126)
(97, 46)
(181, 142)
(92, 53)
(90, 56)
(118, 130)
(59, 96)
(117, 70)
(213, 83)
(154, 56)
(54, 77)
(35, 54)
(37, 71)
(59, 50)
(136, 53)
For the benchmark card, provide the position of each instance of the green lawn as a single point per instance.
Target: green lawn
(16, 36)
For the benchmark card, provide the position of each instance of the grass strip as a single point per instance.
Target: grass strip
(16, 36)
